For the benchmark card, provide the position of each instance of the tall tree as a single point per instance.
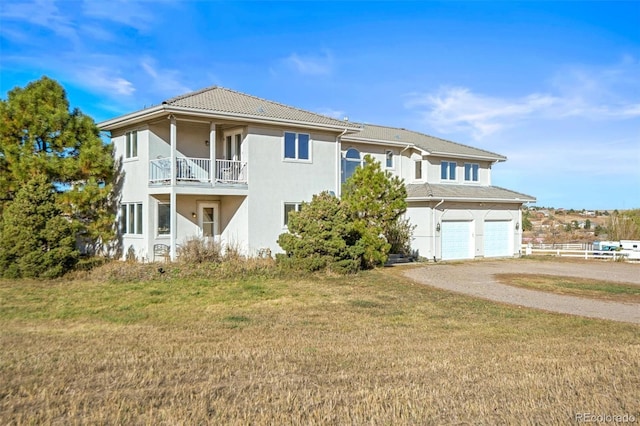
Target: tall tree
(36, 240)
(375, 201)
(40, 135)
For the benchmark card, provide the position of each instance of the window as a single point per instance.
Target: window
(164, 219)
(288, 208)
(418, 170)
(296, 146)
(389, 156)
(131, 148)
(233, 147)
(448, 170)
(471, 172)
(131, 218)
(350, 163)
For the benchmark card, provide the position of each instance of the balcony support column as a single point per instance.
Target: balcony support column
(173, 215)
(212, 153)
(173, 139)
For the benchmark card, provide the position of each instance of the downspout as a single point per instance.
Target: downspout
(338, 163)
(433, 229)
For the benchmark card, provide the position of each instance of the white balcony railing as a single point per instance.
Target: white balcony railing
(197, 170)
(231, 171)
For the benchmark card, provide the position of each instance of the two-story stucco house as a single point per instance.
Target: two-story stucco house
(221, 164)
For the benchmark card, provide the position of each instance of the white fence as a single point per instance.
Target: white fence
(628, 255)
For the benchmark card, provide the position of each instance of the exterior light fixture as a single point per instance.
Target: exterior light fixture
(193, 215)
(517, 225)
(438, 227)
(206, 143)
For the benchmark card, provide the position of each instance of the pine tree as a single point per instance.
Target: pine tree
(36, 240)
(375, 201)
(40, 135)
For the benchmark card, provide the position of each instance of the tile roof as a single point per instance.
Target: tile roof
(222, 100)
(465, 192)
(428, 143)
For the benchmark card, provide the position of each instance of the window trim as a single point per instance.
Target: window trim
(450, 167)
(416, 164)
(157, 227)
(130, 147)
(297, 207)
(296, 157)
(345, 160)
(471, 171)
(125, 219)
(388, 155)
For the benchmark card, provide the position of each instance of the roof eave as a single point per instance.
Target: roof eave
(474, 200)
(134, 117)
(494, 158)
(169, 109)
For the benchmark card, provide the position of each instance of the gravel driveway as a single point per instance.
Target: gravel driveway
(476, 278)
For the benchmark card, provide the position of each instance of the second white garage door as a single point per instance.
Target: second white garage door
(497, 238)
(456, 240)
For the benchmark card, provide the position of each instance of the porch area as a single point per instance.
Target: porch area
(197, 170)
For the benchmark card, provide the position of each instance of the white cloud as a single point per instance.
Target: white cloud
(101, 79)
(163, 81)
(577, 92)
(459, 109)
(311, 64)
(127, 13)
(42, 13)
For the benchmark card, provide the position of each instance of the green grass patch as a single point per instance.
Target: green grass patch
(582, 287)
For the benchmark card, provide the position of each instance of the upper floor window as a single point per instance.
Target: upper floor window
(297, 146)
(131, 218)
(418, 170)
(448, 170)
(389, 159)
(233, 147)
(350, 163)
(131, 146)
(288, 208)
(471, 172)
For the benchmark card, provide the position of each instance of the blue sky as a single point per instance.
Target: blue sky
(554, 86)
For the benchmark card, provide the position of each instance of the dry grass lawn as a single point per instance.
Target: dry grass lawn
(571, 286)
(368, 349)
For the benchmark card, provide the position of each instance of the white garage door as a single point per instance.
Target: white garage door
(497, 238)
(456, 240)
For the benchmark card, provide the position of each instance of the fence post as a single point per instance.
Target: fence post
(586, 254)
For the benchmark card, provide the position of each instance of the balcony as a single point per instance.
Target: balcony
(198, 170)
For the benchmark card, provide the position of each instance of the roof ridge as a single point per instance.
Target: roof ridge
(195, 92)
(434, 137)
(226, 89)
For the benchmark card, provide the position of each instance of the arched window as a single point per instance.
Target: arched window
(350, 162)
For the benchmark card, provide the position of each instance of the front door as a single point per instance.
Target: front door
(208, 219)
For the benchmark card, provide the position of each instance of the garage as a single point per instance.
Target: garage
(497, 238)
(456, 239)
